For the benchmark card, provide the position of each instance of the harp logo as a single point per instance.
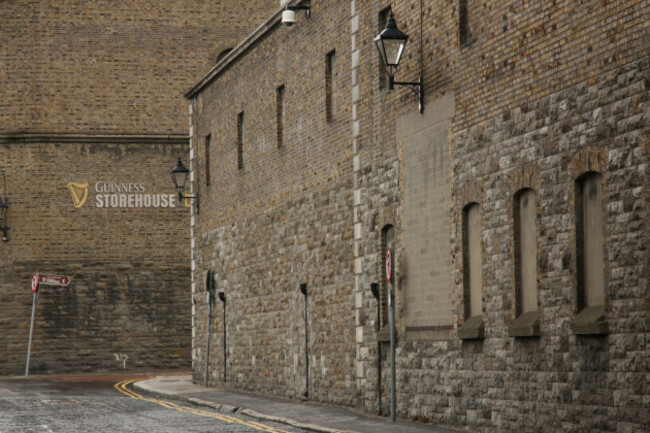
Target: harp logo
(79, 193)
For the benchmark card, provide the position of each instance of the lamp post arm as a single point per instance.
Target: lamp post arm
(419, 91)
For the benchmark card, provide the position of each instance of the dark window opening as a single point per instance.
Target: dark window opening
(240, 140)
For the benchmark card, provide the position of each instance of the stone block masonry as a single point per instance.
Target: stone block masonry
(539, 100)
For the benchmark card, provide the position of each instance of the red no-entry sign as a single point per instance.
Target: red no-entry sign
(389, 265)
(49, 280)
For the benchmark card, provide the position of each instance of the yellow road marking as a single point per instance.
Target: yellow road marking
(122, 387)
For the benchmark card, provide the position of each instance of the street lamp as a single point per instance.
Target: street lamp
(179, 176)
(390, 43)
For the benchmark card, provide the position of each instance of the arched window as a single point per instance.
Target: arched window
(525, 213)
(473, 326)
(526, 323)
(590, 255)
(590, 241)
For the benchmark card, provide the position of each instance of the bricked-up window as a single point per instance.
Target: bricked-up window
(329, 85)
(382, 73)
(525, 223)
(387, 238)
(240, 140)
(590, 241)
(279, 119)
(472, 262)
(207, 160)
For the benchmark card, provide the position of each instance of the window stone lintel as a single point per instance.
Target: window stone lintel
(590, 321)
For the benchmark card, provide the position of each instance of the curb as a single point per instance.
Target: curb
(240, 411)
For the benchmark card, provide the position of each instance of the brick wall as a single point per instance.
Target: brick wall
(281, 220)
(92, 91)
(91, 66)
(125, 295)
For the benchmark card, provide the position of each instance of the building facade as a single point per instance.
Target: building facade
(92, 120)
(516, 205)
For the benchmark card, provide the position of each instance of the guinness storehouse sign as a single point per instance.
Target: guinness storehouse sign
(118, 195)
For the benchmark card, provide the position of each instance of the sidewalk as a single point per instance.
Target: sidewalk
(303, 415)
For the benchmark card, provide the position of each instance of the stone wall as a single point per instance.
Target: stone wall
(535, 108)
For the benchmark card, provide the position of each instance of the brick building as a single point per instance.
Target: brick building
(517, 204)
(92, 119)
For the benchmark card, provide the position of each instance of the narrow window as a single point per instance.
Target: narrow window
(329, 85)
(207, 160)
(473, 274)
(463, 23)
(525, 215)
(590, 241)
(279, 95)
(240, 140)
(382, 73)
(387, 239)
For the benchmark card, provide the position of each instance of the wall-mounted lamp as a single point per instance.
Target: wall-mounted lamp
(4, 207)
(390, 43)
(179, 176)
(289, 14)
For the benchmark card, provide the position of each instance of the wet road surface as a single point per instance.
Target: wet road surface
(106, 403)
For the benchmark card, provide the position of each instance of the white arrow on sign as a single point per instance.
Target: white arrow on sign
(54, 280)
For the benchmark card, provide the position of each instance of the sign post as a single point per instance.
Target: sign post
(37, 280)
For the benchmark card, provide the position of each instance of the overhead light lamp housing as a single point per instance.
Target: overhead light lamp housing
(289, 13)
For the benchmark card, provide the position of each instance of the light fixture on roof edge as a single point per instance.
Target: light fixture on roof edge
(289, 13)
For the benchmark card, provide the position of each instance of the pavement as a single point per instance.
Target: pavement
(305, 415)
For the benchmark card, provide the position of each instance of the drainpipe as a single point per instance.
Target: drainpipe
(303, 290)
(374, 288)
(222, 298)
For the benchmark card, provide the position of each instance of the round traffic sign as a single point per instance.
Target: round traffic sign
(34, 282)
(389, 265)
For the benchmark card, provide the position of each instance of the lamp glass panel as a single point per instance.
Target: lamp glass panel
(180, 178)
(393, 49)
(382, 50)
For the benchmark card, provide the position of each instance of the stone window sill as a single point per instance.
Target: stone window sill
(590, 321)
(472, 329)
(526, 325)
(383, 335)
